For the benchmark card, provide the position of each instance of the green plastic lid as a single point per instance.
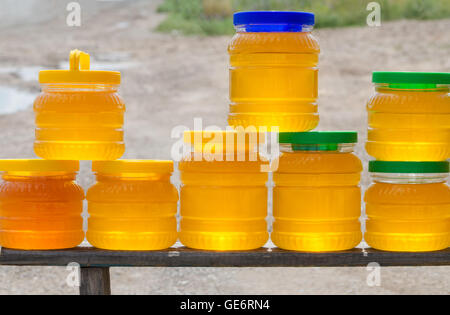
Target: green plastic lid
(408, 167)
(411, 77)
(317, 140)
(318, 137)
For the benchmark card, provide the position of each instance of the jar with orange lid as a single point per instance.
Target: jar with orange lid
(40, 205)
(317, 197)
(79, 115)
(133, 205)
(223, 197)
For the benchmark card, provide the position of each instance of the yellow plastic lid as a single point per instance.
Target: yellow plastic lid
(132, 166)
(39, 166)
(79, 72)
(226, 141)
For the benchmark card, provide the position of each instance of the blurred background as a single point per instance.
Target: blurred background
(174, 64)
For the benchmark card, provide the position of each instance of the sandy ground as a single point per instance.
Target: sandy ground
(170, 79)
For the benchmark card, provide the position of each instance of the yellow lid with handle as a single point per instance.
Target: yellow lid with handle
(79, 72)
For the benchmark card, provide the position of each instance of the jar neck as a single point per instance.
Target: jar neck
(133, 177)
(406, 87)
(409, 178)
(317, 148)
(79, 87)
(273, 28)
(39, 176)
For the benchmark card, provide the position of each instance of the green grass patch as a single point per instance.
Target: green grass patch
(189, 16)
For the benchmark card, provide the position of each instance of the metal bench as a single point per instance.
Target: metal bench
(95, 263)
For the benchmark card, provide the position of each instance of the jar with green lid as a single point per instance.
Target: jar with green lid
(317, 198)
(409, 117)
(408, 206)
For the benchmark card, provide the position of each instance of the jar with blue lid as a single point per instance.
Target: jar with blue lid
(273, 71)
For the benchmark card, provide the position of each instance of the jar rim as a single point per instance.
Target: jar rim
(133, 166)
(318, 147)
(39, 166)
(409, 178)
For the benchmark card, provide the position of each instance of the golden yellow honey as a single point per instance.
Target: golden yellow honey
(79, 114)
(40, 205)
(317, 198)
(223, 203)
(408, 210)
(132, 206)
(274, 74)
(410, 120)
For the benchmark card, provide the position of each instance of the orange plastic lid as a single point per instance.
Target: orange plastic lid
(79, 72)
(225, 141)
(132, 166)
(39, 166)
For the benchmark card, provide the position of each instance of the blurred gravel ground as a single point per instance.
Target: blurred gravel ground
(167, 81)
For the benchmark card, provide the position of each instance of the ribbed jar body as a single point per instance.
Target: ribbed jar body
(223, 204)
(409, 124)
(79, 122)
(132, 212)
(40, 211)
(274, 80)
(408, 217)
(317, 201)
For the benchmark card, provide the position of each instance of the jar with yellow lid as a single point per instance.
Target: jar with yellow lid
(40, 205)
(132, 206)
(79, 115)
(408, 206)
(317, 198)
(223, 197)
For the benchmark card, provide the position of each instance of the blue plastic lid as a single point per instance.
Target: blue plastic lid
(277, 20)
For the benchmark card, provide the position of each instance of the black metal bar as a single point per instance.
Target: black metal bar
(95, 281)
(184, 257)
